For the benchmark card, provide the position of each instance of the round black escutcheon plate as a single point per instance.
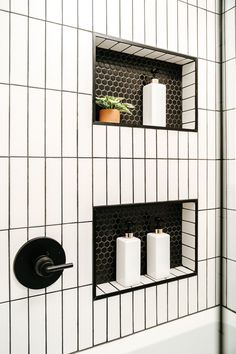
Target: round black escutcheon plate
(27, 256)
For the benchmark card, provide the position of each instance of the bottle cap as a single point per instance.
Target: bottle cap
(159, 226)
(155, 81)
(129, 233)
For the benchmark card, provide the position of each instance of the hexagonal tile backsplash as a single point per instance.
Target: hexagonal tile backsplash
(110, 223)
(124, 75)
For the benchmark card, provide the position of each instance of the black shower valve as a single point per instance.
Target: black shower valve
(40, 262)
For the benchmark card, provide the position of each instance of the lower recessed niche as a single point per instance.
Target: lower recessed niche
(109, 222)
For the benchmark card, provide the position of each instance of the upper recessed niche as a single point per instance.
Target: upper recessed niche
(123, 68)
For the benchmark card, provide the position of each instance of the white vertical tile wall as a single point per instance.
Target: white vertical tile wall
(46, 76)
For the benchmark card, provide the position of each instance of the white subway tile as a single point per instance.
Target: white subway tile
(162, 303)
(192, 165)
(231, 187)
(202, 284)
(99, 141)
(202, 184)
(70, 329)
(172, 301)
(139, 310)
(173, 180)
(113, 181)
(211, 184)
(192, 290)
(138, 136)
(126, 19)
(70, 237)
(211, 233)
(85, 253)
(150, 141)
(113, 17)
(211, 282)
(192, 30)
(100, 324)
(162, 180)
(54, 323)
(151, 307)
(4, 192)
(53, 55)
(113, 321)
(36, 53)
(4, 328)
(85, 14)
(53, 123)
(36, 122)
(37, 9)
(202, 33)
(126, 141)
(4, 268)
(69, 124)
(126, 314)
(139, 193)
(202, 92)
(229, 28)
(4, 122)
(99, 16)
(18, 128)
(18, 196)
(69, 54)
(202, 234)
(230, 88)
(70, 9)
(182, 28)
(85, 126)
(138, 21)
(54, 11)
(150, 22)
(19, 327)
(126, 181)
(183, 179)
(85, 317)
(172, 25)
(53, 191)
(113, 144)
(183, 145)
(231, 240)
(211, 85)
(183, 297)
(85, 189)
(151, 180)
(202, 135)
(4, 40)
(211, 36)
(69, 190)
(18, 42)
(161, 14)
(172, 144)
(37, 324)
(99, 182)
(36, 197)
(162, 144)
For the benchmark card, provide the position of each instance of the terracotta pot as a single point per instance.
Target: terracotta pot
(109, 115)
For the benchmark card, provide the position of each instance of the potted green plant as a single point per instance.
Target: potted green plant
(111, 107)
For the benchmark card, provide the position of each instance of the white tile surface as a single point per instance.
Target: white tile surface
(231, 240)
(202, 285)
(69, 234)
(4, 191)
(36, 122)
(99, 182)
(69, 190)
(162, 144)
(211, 36)
(192, 179)
(70, 9)
(85, 189)
(84, 125)
(36, 192)
(192, 305)
(161, 15)
(183, 179)
(18, 127)
(36, 53)
(151, 307)
(126, 314)
(139, 310)
(85, 14)
(18, 196)
(100, 327)
(172, 144)
(69, 124)
(139, 193)
(126, 181)
(113, 322)
(70, 301)
(150, 22)
(4, 268)
(36, 9)
(138, 141)
(37, 324)
(162, 180)
(151, 180)
(231, 284)
(126, 19)
(54, 323)
(99, 141)
(4, 327)
(126, 141)
(113, 181)
(183, 297)
(113, 17)
(19, 327)
(211, 282)
(182, 28)
(162, 303)
(85, 63)
(202, 33)
(173, 191)
(138, 21)
(172, 301)
(113, 141)
(18, 49)
(53, 123)
(85, 317)
(192, 30)
(53, 191)
(172, 25)
(4, 122)
(69, 54)
(99, 16)
(53, 56)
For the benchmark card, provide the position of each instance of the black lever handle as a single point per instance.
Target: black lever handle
(44, 266)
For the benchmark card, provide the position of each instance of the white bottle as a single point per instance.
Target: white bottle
(154, 104)
(158, 253)
(128, 257)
